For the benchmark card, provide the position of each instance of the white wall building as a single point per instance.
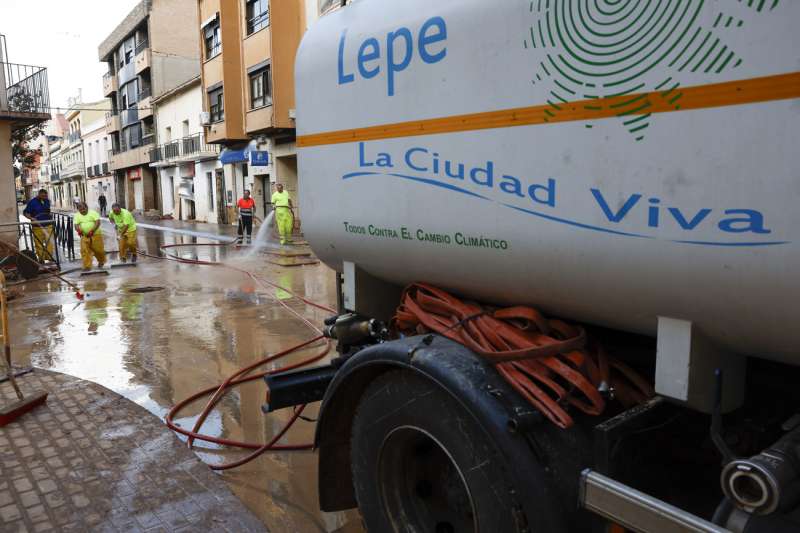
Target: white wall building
(99, 179)
(185, 163)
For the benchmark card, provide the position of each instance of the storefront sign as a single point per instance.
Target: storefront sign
(259, 158)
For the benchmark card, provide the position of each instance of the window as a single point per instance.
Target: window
(216, 105)
(257, 15)
(126, 52)
(260, 88)
(168, 134)
(128, 94)
(132, 135)
(185, 128)
(212, 39)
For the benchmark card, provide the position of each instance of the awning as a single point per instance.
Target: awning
(229, 156)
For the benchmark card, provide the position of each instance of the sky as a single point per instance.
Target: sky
(62, 35)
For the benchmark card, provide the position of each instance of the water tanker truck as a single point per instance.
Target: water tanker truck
(629, 170)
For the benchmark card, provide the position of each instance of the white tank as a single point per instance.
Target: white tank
(608, 162)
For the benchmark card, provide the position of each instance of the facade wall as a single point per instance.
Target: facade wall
(178, 116)
(96, 144)
(289, 26)
(205, 189)
(225, 68)
(8, 195)
(173, 34)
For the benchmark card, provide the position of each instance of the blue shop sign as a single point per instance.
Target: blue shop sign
(259, 158)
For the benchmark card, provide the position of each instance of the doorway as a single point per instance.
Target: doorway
(222, 213)
(265, 194)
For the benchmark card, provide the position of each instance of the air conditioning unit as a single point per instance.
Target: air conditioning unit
(205, 118)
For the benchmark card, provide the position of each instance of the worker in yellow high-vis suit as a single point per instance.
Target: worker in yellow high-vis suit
(284, 216)
(126, 231)
(87, 225)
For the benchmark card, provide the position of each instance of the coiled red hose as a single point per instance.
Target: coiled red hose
(549, 362)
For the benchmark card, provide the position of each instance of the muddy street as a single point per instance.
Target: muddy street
(159, 332)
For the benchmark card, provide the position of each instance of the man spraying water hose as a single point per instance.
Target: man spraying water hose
(87, 226)
(126, 231)
(284, 216)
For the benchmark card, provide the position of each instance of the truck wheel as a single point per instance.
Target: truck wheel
(422, 464)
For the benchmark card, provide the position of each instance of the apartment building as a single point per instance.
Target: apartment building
(24, 101)
(54, 132)
(185, 162)
(99, 179)
(73, 166)
(248, 50)
(152, 51)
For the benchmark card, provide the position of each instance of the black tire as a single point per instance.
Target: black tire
(422, 464)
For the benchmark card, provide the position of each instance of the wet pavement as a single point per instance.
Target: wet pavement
(89, 460)
(200, 325)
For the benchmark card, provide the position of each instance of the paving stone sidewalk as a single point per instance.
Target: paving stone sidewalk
(91, 460)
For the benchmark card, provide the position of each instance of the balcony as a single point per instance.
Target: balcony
(110, 84)
(192, 148)
(125, 157)
(24, 93)
(74, 138)
(142, 59)
(72, 170)
(112, 122)
(145, 104)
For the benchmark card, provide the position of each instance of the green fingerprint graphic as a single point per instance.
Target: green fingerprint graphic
(593, 49)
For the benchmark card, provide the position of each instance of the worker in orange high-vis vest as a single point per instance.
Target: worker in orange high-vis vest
(247, 210)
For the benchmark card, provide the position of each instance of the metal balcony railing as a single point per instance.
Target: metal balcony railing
(172, 150)
(258, 21)
(141, 46)
(25, 89)
(185, 147)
